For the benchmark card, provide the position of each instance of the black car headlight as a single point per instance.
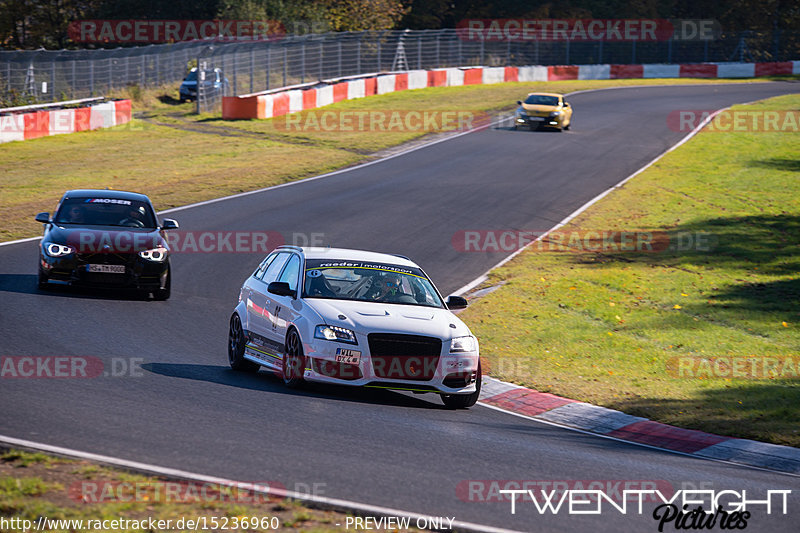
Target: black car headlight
(521, 113)
(335, 333)
(58, 250)
(159, 255)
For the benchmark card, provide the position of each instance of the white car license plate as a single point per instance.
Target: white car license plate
(351, 357)
(536, 118)
(107, 269)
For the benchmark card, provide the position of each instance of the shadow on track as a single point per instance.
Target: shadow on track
(267, 382)
(27, 284)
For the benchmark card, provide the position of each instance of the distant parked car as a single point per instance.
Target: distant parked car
(105, 238)
(214, 81)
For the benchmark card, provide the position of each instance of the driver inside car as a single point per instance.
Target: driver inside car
(390, 290)
(75, 215)
(134, 218)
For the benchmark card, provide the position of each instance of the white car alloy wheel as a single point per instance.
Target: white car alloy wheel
(293, 361)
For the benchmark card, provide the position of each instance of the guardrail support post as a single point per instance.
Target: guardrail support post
(303, 63)
(53, 81)
(252, 70)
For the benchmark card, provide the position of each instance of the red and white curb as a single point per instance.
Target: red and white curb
(282, 101)
(43, 123)
(621, 426)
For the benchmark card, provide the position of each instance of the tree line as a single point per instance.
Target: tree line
(34, 24)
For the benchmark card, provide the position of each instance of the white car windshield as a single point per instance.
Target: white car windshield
(368, 282)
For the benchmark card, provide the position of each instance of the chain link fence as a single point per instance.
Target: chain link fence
(247, 67)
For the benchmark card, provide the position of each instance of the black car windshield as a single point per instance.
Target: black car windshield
(98, 211)
(368, 282)
(540, 99)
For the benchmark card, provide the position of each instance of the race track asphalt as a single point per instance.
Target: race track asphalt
(187, 410)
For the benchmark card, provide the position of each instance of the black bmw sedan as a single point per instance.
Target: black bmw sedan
(104, 238)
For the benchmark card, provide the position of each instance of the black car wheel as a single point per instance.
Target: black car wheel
(462, 401)
(293, 361)
(162, 293)
(236, 344)
(42, 281)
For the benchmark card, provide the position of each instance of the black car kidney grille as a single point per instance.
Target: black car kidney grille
(398, 356)
(106, 259)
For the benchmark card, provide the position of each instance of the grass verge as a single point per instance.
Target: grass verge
(38, 485)
(699, 334)
(178, 158)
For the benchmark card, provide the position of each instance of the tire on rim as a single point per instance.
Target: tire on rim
(163, 293)
(462, 401)
(236, 344)
(294, 361)
(42, 283)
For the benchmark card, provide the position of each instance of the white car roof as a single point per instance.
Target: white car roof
(353, 255)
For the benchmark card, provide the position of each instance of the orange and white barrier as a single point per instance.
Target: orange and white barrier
(43, 123)
(279, 103)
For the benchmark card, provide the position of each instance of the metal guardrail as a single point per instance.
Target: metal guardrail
(253, 66)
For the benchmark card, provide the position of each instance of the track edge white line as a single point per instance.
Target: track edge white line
(318, 502)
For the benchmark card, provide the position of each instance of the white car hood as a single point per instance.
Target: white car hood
(369, 317)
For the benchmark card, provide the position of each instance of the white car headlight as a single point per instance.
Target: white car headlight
(555, 113)
(58, 250)
(154, 254)
(335, 333)
(463, 344)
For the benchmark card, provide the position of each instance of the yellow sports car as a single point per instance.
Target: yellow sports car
(540, 110)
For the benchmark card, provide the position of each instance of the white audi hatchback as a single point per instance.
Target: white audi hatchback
(356, 318)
